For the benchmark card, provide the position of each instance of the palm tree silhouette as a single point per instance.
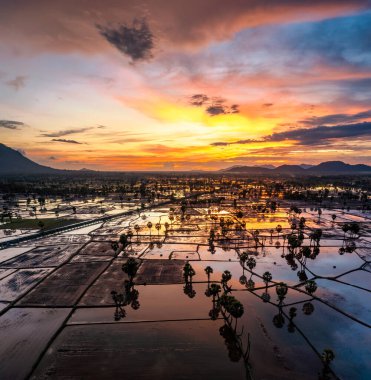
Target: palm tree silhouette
(131, 268)
(149, 225)
(208, 271)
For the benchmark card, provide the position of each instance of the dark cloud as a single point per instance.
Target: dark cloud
(135, 41)
(321, 135)
(198, 100)
(249, 141)
(53, 158)
(220, 108)
(216, 110)
(67, 141)
(246, 141)
(217, 107)
(66, 132)
(11, 124)
(266, 105)
(17, 83)
(234, 108)
(336, 118)
(213, 105)
(221, 143)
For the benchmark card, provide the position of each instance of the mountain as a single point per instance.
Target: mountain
(13, 162)
(289, 169)
(247, 170)
(265, 166)
(324, 168)
(339, 167)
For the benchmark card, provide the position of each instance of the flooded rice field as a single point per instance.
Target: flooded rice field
(190, 291)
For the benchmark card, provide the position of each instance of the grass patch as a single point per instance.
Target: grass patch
(33, 224)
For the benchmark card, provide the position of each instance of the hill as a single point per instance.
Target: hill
(13, 162)
(324, 168)
(339, 167)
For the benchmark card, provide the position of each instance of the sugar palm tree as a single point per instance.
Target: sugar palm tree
(208, 271)
(251, 263)
(188, 272)
(354, 228)
(281, 290)
(167, 225)
(124, 240)
(327, 356)
(278, 319)
(129, 235)
(311, 286)
(158, 228)
(267, 277)
(345, 227)
(243, 257)
(131, 268)
(308, 308)
(171, 218)
(149, 225)
(137, 229)
(231, 305)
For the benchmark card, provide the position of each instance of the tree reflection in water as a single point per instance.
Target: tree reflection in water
(300, 245)
(230, 309)
(129, 296)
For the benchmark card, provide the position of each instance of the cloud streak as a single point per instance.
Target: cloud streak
(11, 124)
(67, 141)
(336, 118)
(320, 135)
(66, 132)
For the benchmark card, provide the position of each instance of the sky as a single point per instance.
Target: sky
(185, 84)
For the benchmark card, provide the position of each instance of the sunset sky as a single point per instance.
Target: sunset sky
(185, 84)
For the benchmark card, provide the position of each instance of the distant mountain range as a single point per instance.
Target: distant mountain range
(324, 168)
(13, 162)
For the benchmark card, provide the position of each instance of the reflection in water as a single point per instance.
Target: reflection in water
(231, 310)
(226, 306)
(327, 357)
(299, 246)
(128, 297)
